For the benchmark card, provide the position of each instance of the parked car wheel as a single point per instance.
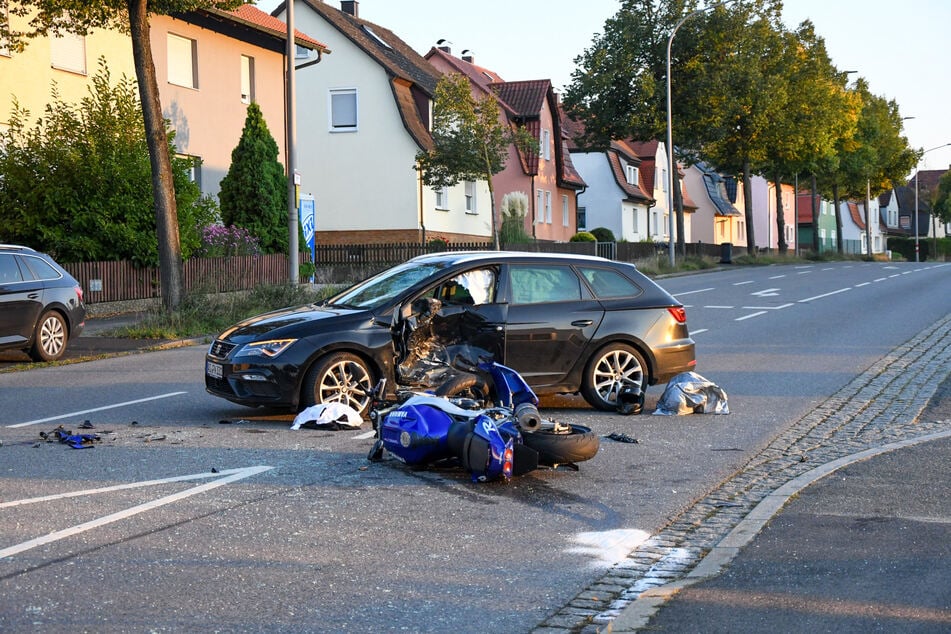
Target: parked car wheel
(49, 344)
(612, 368)
(340, 377)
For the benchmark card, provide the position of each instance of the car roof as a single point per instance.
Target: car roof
(509, 256)
(16, 247)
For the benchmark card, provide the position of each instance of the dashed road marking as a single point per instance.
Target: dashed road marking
(97, 409)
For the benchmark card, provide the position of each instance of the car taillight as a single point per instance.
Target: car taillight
(79, 293)
(679, 313)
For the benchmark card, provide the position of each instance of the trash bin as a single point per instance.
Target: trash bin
(726, 253)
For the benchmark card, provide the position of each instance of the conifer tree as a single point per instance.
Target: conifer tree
(254, 193)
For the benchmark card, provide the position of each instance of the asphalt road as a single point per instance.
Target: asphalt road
(323, 540)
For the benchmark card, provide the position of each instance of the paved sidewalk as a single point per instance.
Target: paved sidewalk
(879, 410)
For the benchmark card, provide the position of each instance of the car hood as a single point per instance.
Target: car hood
(291, 322)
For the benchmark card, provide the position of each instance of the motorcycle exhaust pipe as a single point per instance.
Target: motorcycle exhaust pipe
(527, 417)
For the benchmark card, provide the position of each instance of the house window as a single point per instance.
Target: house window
(582, 221)
(663, 179)
(194, 168)
(564, 211)
(68, 52)
(343, 110)
(545, 149)
(182, 61)
(548, 207)
(539, 218)
(471, 197)
(442, 198)
(247, 79)
(631, 173)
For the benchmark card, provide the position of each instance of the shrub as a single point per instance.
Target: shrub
(583, 236)
(218, 241)
(603, 234)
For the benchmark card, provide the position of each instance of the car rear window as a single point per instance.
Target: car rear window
(609, 284)
(9, 272)
(41, 268)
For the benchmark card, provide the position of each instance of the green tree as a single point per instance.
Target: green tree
(470, 140)
(77, 183)
(254, 192)
(49, 17)
(879, 155)
(942, 202)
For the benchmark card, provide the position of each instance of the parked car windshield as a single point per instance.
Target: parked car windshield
(386, 286)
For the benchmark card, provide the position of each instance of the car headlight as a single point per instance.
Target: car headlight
(269, 349)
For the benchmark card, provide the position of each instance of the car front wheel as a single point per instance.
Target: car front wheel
(611, 369)
(340, 377)
(49, 344)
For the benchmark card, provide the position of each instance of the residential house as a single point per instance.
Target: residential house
(855, 232)
(209, 64)
(717, 219)
(546, 176)
(925, 183)
(894, 206)
(364, 114)
(826, 223)
(766, 226)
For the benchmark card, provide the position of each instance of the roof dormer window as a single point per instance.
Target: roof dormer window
(366, 29)
(631, 175)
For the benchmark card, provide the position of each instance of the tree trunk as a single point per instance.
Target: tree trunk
(780, 216)
(748, 209)
(838, 220)
(814, 206)
(163, 186)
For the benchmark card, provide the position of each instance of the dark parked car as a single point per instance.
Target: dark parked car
(567, 323)
(41, 305)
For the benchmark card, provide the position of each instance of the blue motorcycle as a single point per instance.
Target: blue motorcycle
(504, 439)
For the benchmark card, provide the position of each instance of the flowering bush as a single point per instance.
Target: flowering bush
(219, 241)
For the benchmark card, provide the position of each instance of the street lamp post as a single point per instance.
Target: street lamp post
(917, 180)
(670, 134)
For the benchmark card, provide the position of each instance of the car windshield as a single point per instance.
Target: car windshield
(386, 286)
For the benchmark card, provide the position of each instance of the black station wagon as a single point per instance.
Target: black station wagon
(566, 323)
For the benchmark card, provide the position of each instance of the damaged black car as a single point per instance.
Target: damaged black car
(568, 324)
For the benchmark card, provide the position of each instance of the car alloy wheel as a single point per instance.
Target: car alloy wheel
(611, 369)
(339, 378)
(50, 341)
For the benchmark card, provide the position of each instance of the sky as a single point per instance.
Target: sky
(900, 48)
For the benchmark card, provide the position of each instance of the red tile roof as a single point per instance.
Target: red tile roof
(250, 15)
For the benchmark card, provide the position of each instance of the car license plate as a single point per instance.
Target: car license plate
(213, 370)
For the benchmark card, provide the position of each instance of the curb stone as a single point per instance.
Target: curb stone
(876, 412)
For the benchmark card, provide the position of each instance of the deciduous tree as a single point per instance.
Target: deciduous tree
(48, 17)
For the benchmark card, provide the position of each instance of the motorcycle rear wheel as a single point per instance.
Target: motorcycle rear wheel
(555, 448)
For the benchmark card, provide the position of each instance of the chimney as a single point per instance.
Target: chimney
(467, 56)
(443, 45)
(350, 7)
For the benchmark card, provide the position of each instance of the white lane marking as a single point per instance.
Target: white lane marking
(803, 272)
(780, 307)
(862, 284)
(742, 283)
(238, 474)
(745, 317)
(769, 292)
(365, 435)
(120, 487)
(880, 279)
(809, 299)
(97, 409)
(728, 307)
(776, 277)
(698, 331)
(701, 290)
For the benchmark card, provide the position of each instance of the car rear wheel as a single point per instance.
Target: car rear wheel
(49, 344)
(611, 369)
(340, 377)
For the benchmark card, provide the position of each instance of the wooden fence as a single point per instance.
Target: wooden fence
(335, 264)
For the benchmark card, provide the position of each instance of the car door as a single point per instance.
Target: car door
(551, 318)
(21, 301)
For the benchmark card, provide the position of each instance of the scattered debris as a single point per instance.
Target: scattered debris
(328, 416)
(67, 437)
(618, 437)
(690, 393)
(86, 425)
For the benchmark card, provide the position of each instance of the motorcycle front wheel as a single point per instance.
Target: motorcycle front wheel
(576, 443)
